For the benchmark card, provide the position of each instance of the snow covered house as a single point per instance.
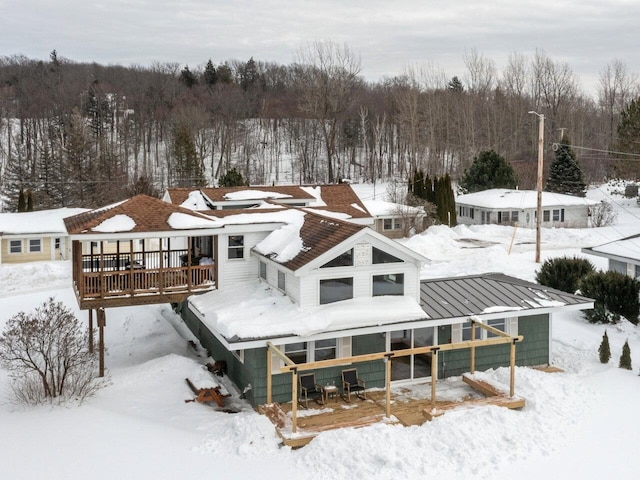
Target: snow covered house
(623, 255)
(274, 289)
(395, 220)
(507, 207)
(35, 236)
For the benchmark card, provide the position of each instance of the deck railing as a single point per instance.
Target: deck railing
(140, 273)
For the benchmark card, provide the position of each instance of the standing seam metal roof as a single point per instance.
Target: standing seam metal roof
(476, 294)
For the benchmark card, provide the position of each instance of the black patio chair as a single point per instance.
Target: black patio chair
(308, 389)
(352, 384)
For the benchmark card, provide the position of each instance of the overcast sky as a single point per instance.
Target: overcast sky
(388, 35)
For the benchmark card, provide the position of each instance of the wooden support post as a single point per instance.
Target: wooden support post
(102, 321)
(434, 375)
(269, 376)
(294, 400)
(387, 382)
(472, 368)
(512, 383)
(91, 330)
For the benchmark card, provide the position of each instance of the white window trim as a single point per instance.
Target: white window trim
(239, 354)
(39, 248)
(21, 247)
(229, 247)
(510, 328)
(343, 349)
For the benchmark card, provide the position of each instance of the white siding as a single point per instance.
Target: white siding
(237, 271)
(362, 280)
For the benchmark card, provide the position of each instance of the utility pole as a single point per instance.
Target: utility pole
(539, 183)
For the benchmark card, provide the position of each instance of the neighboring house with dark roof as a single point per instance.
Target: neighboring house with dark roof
(508, 207)
(338, 201)
(275, 286)
(623, 255)
(35, 236)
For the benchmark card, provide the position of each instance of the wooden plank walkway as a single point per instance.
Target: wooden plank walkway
(407, 409)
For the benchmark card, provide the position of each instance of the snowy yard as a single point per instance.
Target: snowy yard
(582, 423)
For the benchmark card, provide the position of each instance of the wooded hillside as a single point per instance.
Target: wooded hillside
(83, 134)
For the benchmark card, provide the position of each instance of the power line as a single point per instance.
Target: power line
(609, 152)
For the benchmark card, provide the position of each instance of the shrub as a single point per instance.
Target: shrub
(232, 178)
(625, 358)
(615, 295)
(46, 356)
(564, 273)
(604, 350)
(603, 215)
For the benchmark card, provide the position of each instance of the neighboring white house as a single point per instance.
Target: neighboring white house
(623, 255)
(507, 207)
(395, 220)
(35, 236)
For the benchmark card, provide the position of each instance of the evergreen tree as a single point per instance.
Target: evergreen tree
(29, 201)
(22, 204)
(187, 77)
(210, 75)
(455, 85)
(604, 350)
(628, 140)
(429, 188)
(416, 185)
(565, 175)
(451, 200)
(225, 75)
(488, 170)
(189, 171)
(249, 75)
(232, 178)
(625, 358)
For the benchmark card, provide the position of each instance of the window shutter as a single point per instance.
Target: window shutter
(345, 347)
(456, 332)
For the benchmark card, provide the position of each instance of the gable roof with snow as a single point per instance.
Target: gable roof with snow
(312, 236)
(503, 198)
(38, 222)
(141, 213)
(337, 201)
(492, 293)
(625, 249)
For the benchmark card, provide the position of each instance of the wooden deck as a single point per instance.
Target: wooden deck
(409, 406)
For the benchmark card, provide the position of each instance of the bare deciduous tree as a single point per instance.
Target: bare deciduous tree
(46, 356)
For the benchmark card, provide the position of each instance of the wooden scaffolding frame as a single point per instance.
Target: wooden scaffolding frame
(501, 338)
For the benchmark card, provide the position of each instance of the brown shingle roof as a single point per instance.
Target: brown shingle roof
(179, 195)
(320, 234)
(342, 198)
(148, 213)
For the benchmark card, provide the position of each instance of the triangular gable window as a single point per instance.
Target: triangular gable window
(380, 256)
(344, 260)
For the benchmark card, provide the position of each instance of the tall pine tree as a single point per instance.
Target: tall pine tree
(628, 140)
(188, 169)
(565, 175)
(488, 170)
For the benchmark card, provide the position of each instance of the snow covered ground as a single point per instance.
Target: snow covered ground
(582, 423)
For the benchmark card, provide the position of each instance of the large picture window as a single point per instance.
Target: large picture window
(390, 284)
(236, 246)
(335, 290)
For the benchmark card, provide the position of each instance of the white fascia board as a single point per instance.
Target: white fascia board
(239, 228)
(95, 237)
(423, 323)
(377, 240)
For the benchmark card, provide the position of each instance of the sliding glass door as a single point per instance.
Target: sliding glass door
(411, 367)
